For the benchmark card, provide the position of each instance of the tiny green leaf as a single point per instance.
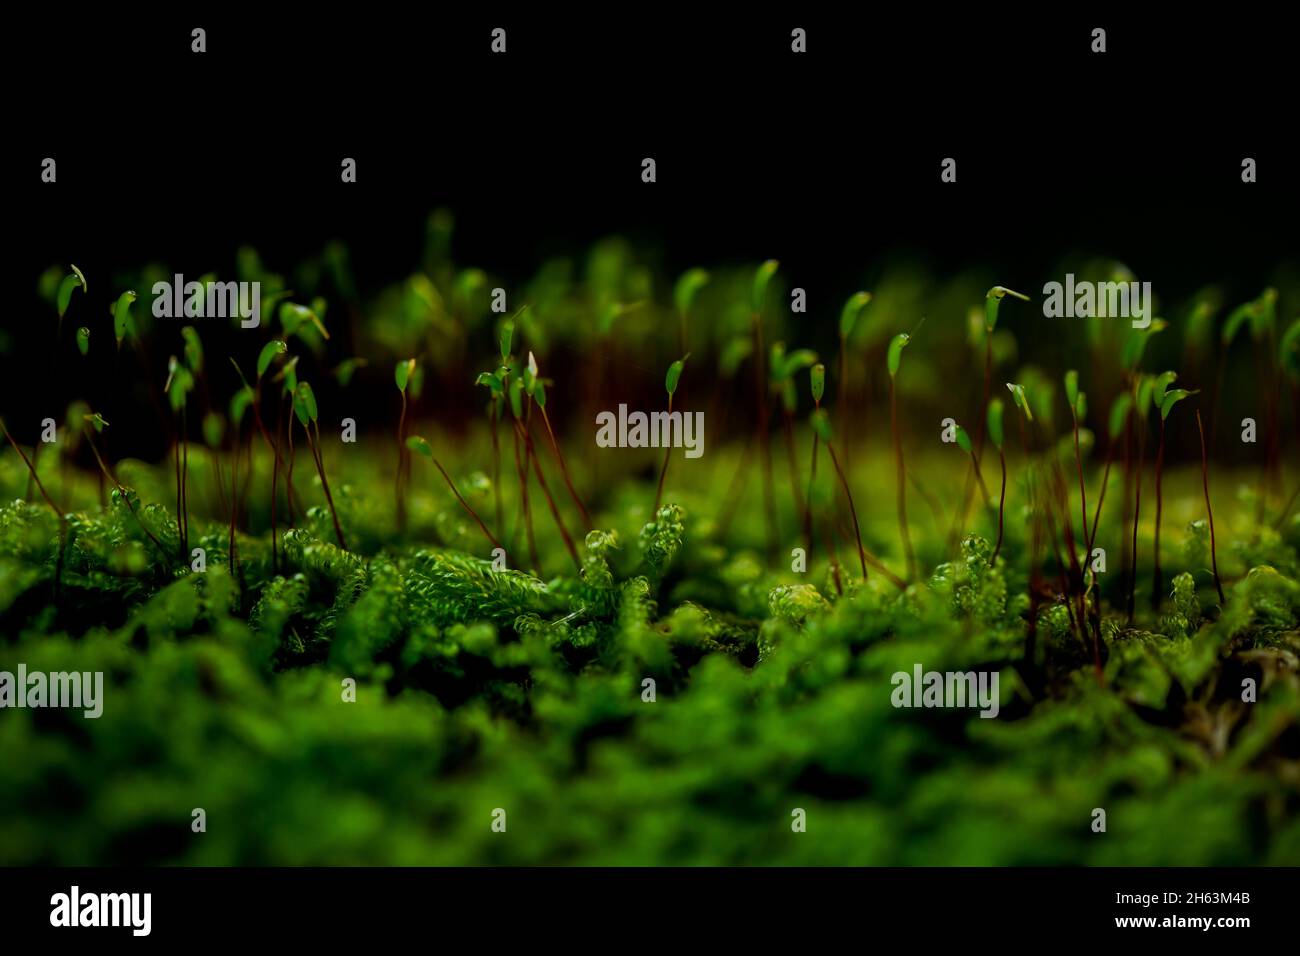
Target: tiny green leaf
(1136, 343)
(818, 378)
(684, 292)
(304, 403)
(1160, 384)
(492, 380)
(516, 397)
(193, 348)
(995, 421)
(269, 351)
(69, 285)
(733, 353)
(794, 362)
(418, 444)
(1081, 406)
(1146, 385)
(507, 338)
(289, 376)
(1119, 413)
(402, 373)
(97, 421)
(762, 278)
(1172, 398)
(1021, 400)
(294, 316)
(83, 340)
(895, 356)
(239, 403)
(675, 374)
(852, 309)
(123, 324)
(347, 368)
(821, 424)
(1072, 388)
(992, 299)
(214, 429)
(963, 441)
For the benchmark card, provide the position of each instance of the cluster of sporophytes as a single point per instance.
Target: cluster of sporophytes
(671, 657)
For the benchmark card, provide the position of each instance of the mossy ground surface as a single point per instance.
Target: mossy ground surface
(480, 689)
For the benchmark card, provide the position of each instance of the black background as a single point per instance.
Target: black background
(822, 160)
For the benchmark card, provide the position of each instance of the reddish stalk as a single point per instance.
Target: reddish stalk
(31, 470)
(1205, 484)
(401, 467)
(1137, 512)
(314, 444)
(466, 505)
(764, 443)
(1157, 582)
(865, 556)
(812, 479)
(522, 470)
(794, 467)
(122, 491)
(550, 500)
(663, 472)
(1002, 501)
(564, 469)
(275, 480)
(902, 482)
(496, 467)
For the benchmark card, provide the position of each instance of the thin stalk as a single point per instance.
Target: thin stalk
(663, 472)
(902, 481)
(125, 497)
(764, 444)
(865, 556)
(550, 500)
(275, 480)
(185, 479)
(180, 521)
(31, 470)
(496, 467)
(320, 468)
(564, 469)
(1101, 498)
(977, 455)
(1083, 490)
(288, 475)
(842, 404)
(1157, 584)
(1205, 484)
(466, 505)
(812, 479)
(401, 467)
(794, 467)
(231, 552)
(526, 507)
(1002, 501)
(848, 494)
(1137, 513)
(735, 491)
